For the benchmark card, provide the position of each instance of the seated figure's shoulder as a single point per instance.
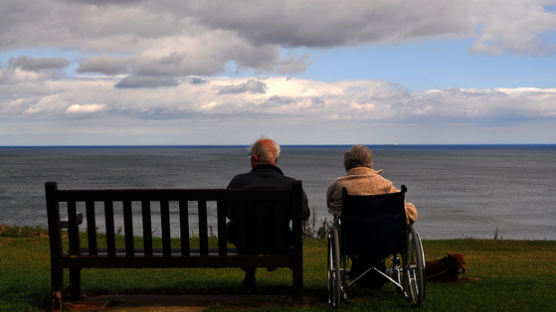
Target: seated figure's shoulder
(239, 180)
(289, 179)
(336, 185)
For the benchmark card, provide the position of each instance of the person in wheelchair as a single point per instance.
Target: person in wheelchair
(362, 179)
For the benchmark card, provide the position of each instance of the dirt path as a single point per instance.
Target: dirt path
(185, 303)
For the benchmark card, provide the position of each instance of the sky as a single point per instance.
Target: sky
(174, 72)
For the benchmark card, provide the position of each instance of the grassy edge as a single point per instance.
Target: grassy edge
(514, 276)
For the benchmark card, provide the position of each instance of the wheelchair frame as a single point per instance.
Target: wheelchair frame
(405, 269)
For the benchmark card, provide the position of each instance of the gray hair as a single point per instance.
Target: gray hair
(358, 156)
(266, 150)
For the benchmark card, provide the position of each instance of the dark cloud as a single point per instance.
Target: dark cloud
(133, 82)
(182, 38)
(334, 23)
(105, 64)
(292, 64)
(251, 86)
(180, 64)
(104, 2)
(27, 63)
(278, 101)
(196, 81)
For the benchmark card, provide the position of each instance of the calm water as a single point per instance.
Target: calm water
(459, 191)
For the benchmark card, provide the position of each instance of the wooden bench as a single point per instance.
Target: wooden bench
(104, 202)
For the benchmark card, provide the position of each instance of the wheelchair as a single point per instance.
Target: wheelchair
(375, 227)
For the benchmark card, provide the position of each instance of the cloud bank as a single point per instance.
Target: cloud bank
(165, 110)
(180, 38)
(234, 110)
(226, 104)
(151, 70)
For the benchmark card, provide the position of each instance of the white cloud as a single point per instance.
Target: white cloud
(515, 26)
(84, 108)
(9, 75)
(51, 103)
(371, 100)
(292, 110)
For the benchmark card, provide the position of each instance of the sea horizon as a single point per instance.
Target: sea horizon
(460, 190)
(439, 145)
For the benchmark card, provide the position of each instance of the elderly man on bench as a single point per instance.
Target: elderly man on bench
(263, 156)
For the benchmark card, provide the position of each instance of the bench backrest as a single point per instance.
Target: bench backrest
(262, 227)
(103, 202)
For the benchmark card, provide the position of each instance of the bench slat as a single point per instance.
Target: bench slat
(91, 227)
(73, 231)
(147, 228)
(221, 208)
(184, 228)
(176, 261)
(259, 225)
(169, 194)
(241, 234)
(128, 228)
(165, 224)
(277, 227)
(203, 228)
(109, 219)
(157, 252)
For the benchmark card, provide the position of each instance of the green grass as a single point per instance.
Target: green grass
(514, 276)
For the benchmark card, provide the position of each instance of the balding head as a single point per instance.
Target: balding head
(265, 151)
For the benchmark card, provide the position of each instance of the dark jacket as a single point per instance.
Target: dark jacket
(262, 176)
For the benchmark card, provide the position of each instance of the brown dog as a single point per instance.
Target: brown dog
(446, 269)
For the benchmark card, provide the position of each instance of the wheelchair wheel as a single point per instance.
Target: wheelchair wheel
(334, 275)
(414, 269)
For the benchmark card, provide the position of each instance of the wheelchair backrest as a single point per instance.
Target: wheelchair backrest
(373, 224)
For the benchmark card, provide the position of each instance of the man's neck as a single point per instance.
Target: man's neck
(267, 166)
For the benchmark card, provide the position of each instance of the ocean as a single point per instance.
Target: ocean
(460, 191)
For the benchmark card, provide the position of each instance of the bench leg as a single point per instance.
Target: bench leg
(75, 281)
(57, 284)
(298, 282)
(56, 278)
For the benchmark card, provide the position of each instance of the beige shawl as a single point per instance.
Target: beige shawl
(363, 181)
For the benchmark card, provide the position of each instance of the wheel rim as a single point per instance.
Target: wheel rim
(333, 281)
(330, 273)
(414, 270)
(337, 275)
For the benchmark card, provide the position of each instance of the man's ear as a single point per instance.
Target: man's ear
(254, 160)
